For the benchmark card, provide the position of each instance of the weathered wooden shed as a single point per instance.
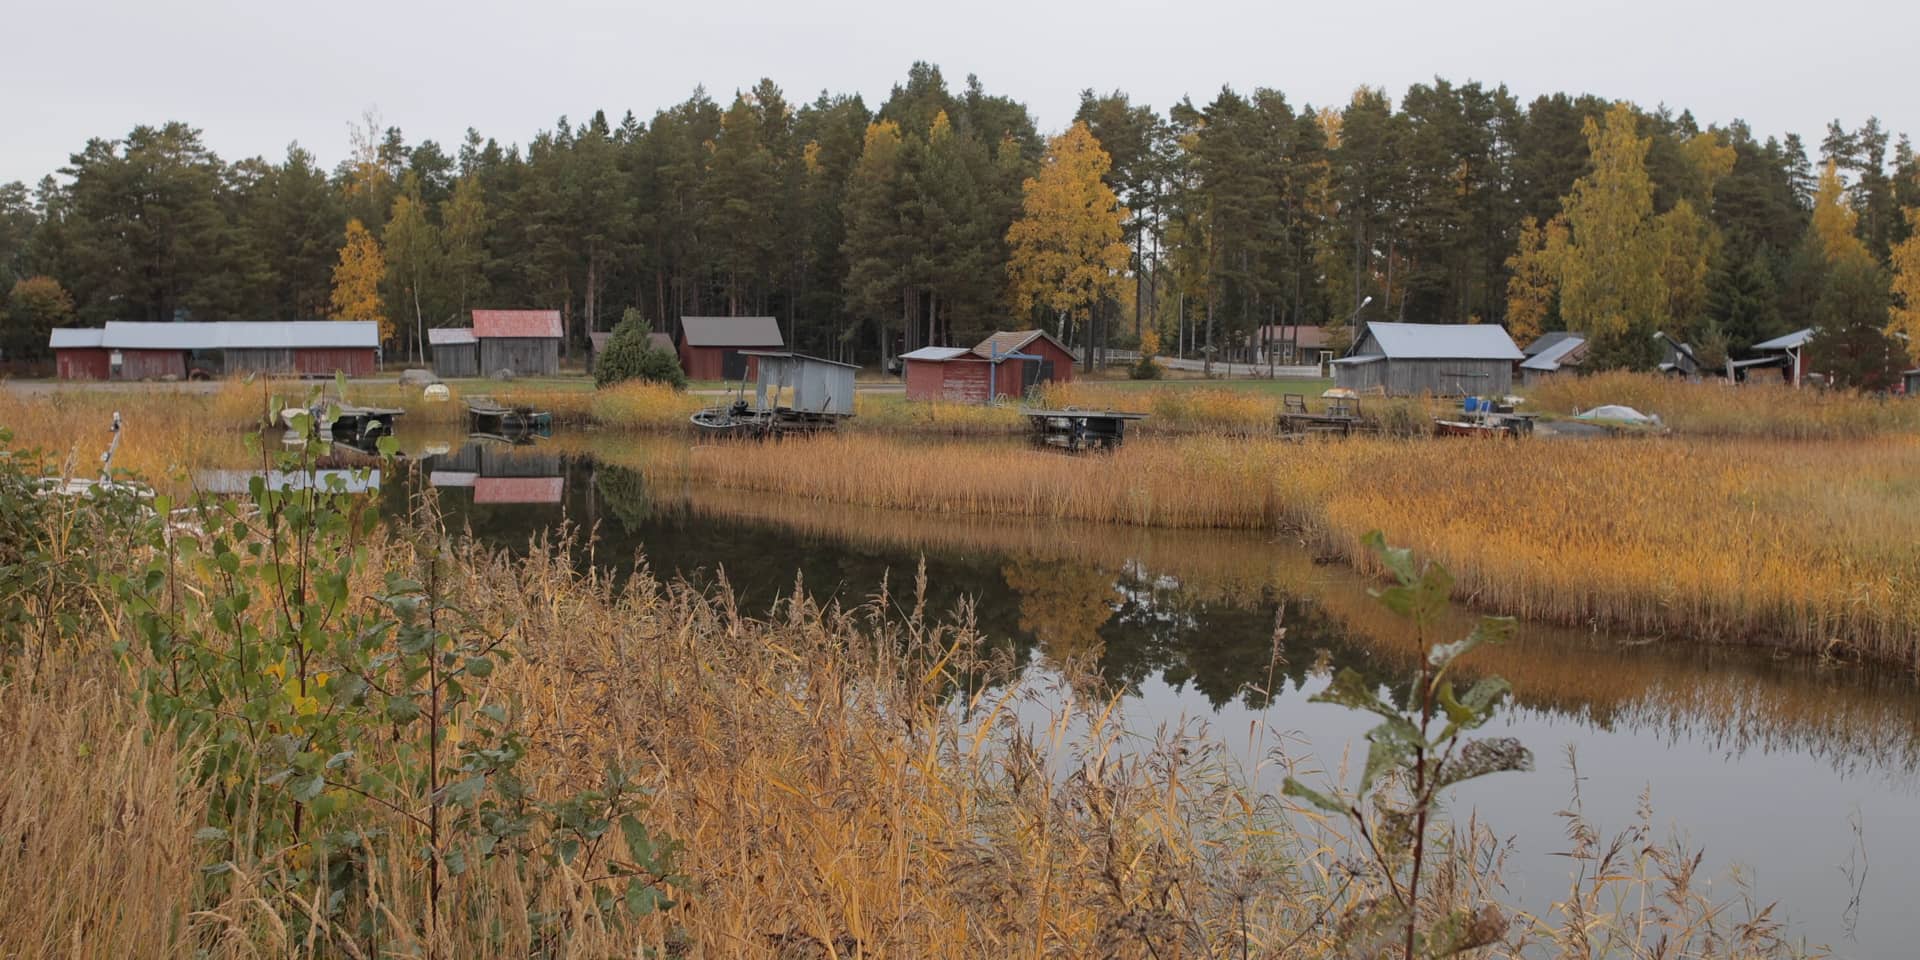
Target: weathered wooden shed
(456, 352)
(304, 348)
(524, 342)
(806, 384)
(1552, 355)
(78, 353)
(715, 348)
(1003, 365)
(955, 374)
(1023, 359)
(1449, 360)
(152, 351)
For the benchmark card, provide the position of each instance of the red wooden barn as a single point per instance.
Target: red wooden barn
(78, 354)
(710, 347)
(153, 351)
(1003, 365)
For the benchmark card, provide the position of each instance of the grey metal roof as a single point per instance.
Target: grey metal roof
(1015, 341)
(1360, 359)
(938, 353)
(1798, 338)
(1545, 340)
(732, 332)
(1444, 341)
(240, 335)
(70, 337)
(803, 358)
(1549, 358)
(450, 336)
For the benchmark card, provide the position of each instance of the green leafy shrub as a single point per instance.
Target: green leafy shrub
(1147, 368)
(630, 355)
(347, 727)
(1414, 756)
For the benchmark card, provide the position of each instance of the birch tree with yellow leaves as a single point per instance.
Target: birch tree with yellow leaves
(1066, 248)
(1903, 315)
(357, 277)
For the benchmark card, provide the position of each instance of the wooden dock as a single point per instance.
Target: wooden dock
(1341, 418)
(1073, 429)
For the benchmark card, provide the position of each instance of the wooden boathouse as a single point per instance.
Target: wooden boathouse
(179, 351)
(1003, 365)
(718, 348)
(1442, 359)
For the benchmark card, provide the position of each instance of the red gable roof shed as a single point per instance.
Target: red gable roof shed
(516, 323)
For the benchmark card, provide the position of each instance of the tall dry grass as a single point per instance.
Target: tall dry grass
(845, 782)
(1807, 543)
(1714, 408)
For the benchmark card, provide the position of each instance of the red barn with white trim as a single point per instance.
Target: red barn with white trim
(1003, 365)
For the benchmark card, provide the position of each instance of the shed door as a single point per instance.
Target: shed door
(733, 366)
(1035, 372)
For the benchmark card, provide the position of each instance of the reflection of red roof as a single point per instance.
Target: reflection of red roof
(516, 490)
(516, 323)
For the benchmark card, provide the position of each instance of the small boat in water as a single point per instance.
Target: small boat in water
(488, 416)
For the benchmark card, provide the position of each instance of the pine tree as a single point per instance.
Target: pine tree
(466, 231)
(876, 248)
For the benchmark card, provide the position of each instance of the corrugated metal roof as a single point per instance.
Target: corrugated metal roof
(516, 323)
(803, 358)
(1555, 353)
(1444, 341)
(732, 332)
(1015, 341)
(240, 335)
(517, 489)
(73, 337)
(938, 353)
(450, 336)
(1798, 338)
(1545, 340)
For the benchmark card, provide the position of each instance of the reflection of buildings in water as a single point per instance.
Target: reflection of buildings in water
(499, 472)
(235, 482)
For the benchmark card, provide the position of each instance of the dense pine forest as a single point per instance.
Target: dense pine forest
(869, 231)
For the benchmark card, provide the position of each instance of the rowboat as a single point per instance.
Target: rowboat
(486, 415)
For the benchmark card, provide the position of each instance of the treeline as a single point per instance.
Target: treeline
(869, 231)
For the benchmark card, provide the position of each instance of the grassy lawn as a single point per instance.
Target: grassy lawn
(1311, 388)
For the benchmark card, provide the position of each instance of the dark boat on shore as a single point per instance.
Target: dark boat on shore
(488, 416)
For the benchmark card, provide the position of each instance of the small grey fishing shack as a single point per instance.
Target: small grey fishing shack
(1442, 359)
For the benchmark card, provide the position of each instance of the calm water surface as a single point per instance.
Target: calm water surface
(1798, 774)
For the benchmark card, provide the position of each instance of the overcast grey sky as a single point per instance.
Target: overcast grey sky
(257, 74)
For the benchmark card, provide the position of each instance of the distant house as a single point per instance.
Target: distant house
(1552, 354)
(1910, 383)
(1292, 345)
(1003, 365)
(710, 347)
(456, 352)
(525, 342)
(1451, 359)
(154, 351)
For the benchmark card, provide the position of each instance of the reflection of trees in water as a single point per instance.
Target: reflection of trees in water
(1062, 605)
(1198, 611)
(623, 493)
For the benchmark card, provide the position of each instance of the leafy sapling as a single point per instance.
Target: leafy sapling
(1413, 756)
